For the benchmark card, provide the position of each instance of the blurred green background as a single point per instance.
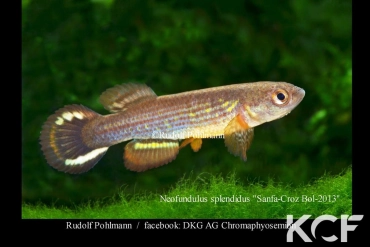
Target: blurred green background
(74, 50)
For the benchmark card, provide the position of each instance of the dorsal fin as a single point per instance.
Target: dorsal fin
(119, 97)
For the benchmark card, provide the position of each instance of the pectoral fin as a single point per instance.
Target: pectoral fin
(195, 143)
(141, 155)
(238, 137)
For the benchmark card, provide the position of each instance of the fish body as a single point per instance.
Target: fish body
(75, 137)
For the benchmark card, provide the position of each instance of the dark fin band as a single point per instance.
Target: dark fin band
(141, 155)
(238, 137)
(62, 143)
(119, 97)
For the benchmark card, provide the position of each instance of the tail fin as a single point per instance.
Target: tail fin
(62, 142)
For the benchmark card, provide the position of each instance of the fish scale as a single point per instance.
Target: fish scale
(184, 124)
(75, 137)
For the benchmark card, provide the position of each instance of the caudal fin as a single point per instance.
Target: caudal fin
(62, 142)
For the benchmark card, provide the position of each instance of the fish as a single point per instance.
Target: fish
(75, 138)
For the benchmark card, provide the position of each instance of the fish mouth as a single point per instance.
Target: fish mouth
(298, 95)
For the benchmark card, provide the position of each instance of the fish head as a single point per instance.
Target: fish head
(271, 101)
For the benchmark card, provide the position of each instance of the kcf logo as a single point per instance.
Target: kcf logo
(344, 227)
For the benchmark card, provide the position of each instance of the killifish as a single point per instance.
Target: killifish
(75, 137)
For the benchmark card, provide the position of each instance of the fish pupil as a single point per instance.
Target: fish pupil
(281, 96)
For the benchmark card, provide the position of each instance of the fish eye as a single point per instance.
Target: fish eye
(280, 97)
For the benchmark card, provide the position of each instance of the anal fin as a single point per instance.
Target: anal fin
(195, 143)
(141, 155)
(238, 137)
